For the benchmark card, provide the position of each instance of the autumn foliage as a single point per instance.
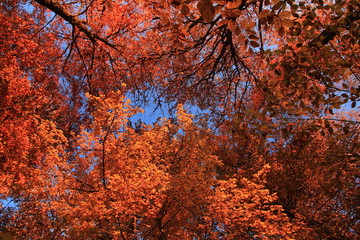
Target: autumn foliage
(260, 133)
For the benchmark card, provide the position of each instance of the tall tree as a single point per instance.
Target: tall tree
(273, 153)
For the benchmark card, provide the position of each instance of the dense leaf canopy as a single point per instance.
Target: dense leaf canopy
(261, 134)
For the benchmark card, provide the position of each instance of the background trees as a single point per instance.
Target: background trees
(272, 154)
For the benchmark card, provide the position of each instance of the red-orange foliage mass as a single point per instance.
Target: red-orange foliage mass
(273, 152)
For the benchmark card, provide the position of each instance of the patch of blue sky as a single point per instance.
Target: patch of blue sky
(7, 203)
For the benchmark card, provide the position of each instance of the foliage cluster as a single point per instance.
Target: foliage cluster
(273, 153)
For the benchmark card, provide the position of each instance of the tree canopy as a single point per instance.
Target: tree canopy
(272, 151)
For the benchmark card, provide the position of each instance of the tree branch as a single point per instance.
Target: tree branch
(73, 20)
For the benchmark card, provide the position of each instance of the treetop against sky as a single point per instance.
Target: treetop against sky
(260, 138)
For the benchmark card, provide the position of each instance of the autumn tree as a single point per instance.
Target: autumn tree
(272, 154)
